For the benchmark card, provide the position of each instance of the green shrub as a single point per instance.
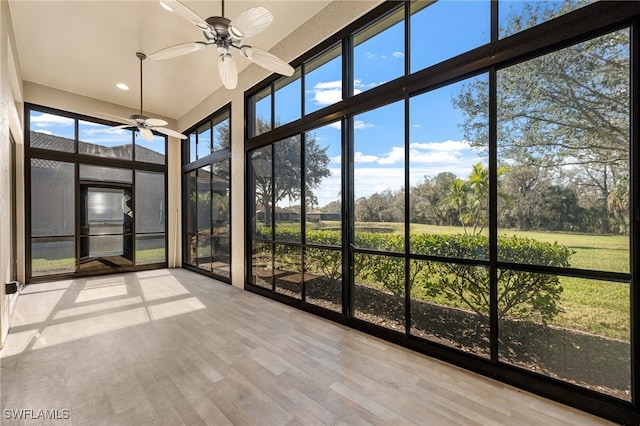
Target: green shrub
(523, 294)
(528, 295)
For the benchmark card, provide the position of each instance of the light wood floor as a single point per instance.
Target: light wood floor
(173, 347)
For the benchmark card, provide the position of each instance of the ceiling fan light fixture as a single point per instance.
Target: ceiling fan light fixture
(223, 46)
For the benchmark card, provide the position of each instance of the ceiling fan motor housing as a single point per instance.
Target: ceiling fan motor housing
(220, 25)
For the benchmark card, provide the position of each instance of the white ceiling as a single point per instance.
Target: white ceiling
(87, 46)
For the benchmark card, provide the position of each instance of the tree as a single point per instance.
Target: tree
(385, 206)
(471, 198)
(427, 204)
(566, 111)
(278, 171)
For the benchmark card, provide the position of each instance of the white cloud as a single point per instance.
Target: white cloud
(337, 159)
(105, 130)
(370, 180)
(359, 157)
(327, 97)
(398, 55)
(326, 85)
(359, 125)
(50, 120)
(396, 155)
(45, 132)
(327, 92)
(336, 125)
(448, 145)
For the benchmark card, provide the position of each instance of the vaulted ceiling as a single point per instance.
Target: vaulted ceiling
(88, 46)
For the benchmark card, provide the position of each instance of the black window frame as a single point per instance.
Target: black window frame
(218, 155)
(78, 159)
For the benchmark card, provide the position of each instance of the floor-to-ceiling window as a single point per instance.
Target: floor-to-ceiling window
(207, 196)
(97, 196)
(467, 193)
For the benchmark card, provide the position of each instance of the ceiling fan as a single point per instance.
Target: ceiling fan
(144, 124)
(226, 34)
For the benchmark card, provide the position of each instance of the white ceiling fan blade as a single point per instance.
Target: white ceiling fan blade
(185, 12)
(267, 60)
(228, 71)
(154, 122)
(169, 132)
(146, 134)
(123, 126)
(127, 121)
(178, 50)
(250, 22)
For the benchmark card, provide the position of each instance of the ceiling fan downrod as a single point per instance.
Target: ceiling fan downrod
(142, 57)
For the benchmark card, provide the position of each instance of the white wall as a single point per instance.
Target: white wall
(327, 22)
(11, 111)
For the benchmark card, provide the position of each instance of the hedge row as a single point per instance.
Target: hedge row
(523, 294)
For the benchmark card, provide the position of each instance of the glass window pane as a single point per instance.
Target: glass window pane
(379, 290)
(323, 80)
(379, 152)
(192, 196)
(261, 104)
(104, 141)
(221, 256)
(105, 211)
(150, 248)
(449, 173)
(287, 189)
(53, 256)
(323, 278)
(435, 22)
(518, 15)
(450, 305)
(105, 252)
(572, 329)
(261, 189)
(323, 184)
(105, 174)
(222, 132)
(150, 202)
(379, 52)
(204, 140)
(220, 198)
(288, 270)
(262, 265)
(203, 200)
(191, 255)
(50, 131)
(287, 99)
(193, 150)
(152, 151)
(52, 198)
(564, 144)
(203, 251)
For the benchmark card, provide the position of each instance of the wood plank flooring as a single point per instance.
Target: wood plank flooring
(171, 347)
